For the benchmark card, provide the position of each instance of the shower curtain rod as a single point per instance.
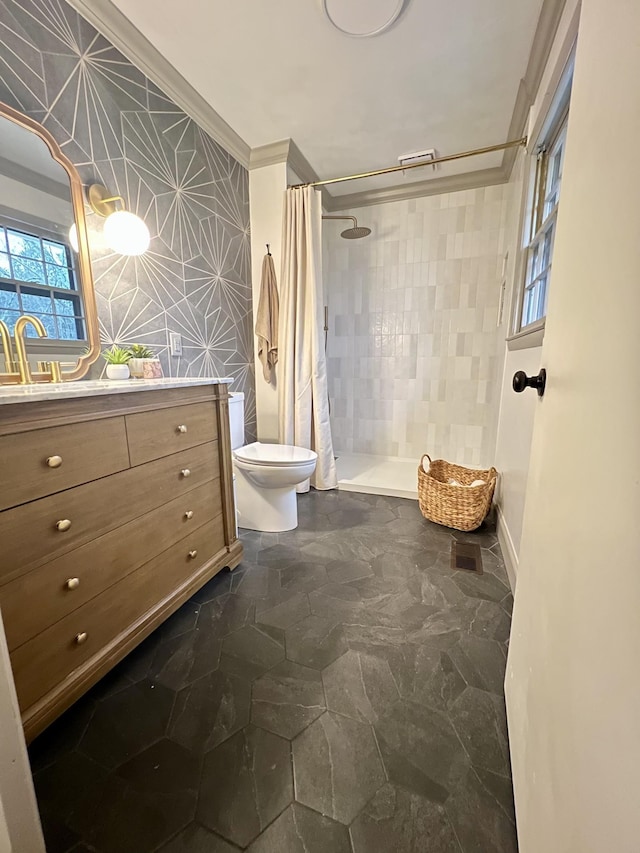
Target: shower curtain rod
(514, 143)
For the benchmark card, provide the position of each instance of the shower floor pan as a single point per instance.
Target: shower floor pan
(377, 475)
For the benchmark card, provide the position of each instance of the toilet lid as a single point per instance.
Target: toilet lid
(274, 454)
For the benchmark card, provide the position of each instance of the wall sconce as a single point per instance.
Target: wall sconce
(124, 232)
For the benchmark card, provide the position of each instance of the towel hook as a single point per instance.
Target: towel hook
(268, 252)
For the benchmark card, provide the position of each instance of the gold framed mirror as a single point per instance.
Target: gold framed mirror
(45, 267)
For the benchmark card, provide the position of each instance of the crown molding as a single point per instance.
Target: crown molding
(18, 172)
(419, 189)
(269, 155)
(118, 29)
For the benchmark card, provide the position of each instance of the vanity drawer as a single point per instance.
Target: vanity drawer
(38, 531)
(44, 661)
(158, 433)
(59, 587)
(45, 461)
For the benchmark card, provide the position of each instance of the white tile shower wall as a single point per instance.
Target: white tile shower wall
(413, 309)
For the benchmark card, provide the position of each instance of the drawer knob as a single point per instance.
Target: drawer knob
(81, 638)
(188, 514)
(182, 428)
(72, 583)
(193, 554)
(63, 524)
(185, 472)
(54, 461)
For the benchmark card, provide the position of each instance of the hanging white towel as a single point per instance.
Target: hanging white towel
(267, 319)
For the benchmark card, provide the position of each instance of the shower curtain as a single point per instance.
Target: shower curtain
(303, 400)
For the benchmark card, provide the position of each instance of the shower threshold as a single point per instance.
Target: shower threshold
(377, 475)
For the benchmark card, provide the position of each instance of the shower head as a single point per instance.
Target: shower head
(355, 232)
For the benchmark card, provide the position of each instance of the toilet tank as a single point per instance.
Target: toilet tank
(236, 418)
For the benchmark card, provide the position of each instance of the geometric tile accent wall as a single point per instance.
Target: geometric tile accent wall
(120, 130)
(414, 349)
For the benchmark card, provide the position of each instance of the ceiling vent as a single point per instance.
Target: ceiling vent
(418, 157)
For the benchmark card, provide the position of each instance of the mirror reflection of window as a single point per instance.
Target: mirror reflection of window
(37, 265)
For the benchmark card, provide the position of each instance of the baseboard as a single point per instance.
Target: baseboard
(508, 549)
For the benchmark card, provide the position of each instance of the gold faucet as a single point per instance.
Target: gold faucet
(7, 350)
(21, 349)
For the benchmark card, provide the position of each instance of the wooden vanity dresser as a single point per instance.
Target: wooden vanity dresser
(114, 510)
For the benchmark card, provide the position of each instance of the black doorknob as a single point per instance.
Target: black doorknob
(522, 381)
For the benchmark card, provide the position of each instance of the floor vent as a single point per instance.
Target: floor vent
(467, 557)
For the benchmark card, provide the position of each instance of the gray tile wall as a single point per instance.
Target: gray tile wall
(120, 130)
(412, 352)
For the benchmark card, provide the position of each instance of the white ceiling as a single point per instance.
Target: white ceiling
(445, 76)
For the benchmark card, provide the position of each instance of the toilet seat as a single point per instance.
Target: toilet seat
(274, 455)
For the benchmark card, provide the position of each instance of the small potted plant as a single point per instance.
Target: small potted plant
(117, 359)
(139, 354)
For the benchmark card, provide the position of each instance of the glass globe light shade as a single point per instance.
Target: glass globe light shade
(126, 233)
(73, 238)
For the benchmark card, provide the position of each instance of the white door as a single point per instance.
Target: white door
(573, 676)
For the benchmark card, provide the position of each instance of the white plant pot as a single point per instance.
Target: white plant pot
(118, 371)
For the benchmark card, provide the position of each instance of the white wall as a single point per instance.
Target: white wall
(31, 201)
(266, 199)
(515, 428)
(413, 361)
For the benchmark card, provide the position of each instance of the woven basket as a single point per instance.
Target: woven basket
(462, 507)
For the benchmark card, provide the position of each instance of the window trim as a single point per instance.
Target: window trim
(551, 118)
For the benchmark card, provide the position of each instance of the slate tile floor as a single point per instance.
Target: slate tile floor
(339, 692)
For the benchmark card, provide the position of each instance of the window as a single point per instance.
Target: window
(37, 277)
(541, 226)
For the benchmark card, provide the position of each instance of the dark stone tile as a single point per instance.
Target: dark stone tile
(225, 614)
(218, 585)
(424, 674)
(337, 766)
(485, 586)
(478, 818)
(209, 711)
(421, 751)
(197, 839)
(293, 607)
(62, 735)
(343, 571)
(300, 830)
(303, 577)
(246, 783)
(58, 837)
(287, 699)
(183, 620)
(315, 642)
(351, 545)
(399, 821)
(481, 663)
(507, 604)
(389, 566)
(255, 582)
(278, 556)
(491, 622)
(182, 660)
(127, 722)
(164, 768)
(250, 652)
(480, 721)
(369, 638)
(360, 686)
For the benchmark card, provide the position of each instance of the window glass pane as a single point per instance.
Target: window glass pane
(48, 322)
(54, 253)
(3, 241)
(24, 270)
(70, 329)
(9, 317)
(24, 245)
(58, 276)
(36, 304)
(546, 252)
(65, 306)
(5, 269)
(9, 298)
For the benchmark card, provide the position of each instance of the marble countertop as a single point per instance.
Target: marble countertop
(96, 387)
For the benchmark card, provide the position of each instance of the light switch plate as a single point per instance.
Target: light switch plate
(175, 343)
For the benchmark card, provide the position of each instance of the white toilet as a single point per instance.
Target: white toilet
(266, 477)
